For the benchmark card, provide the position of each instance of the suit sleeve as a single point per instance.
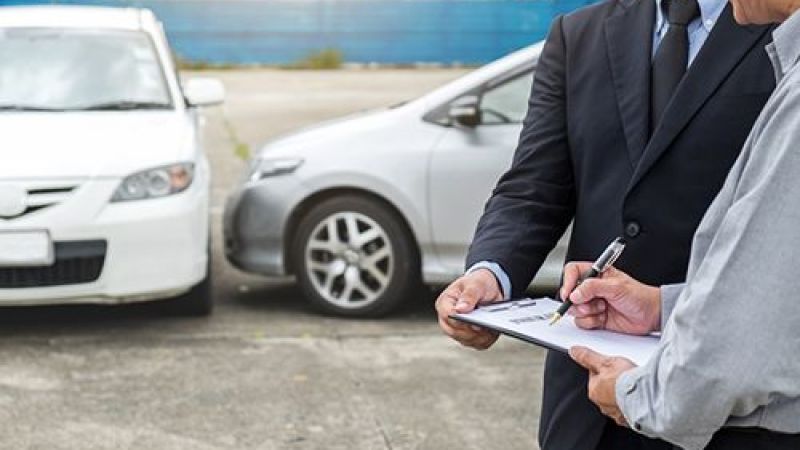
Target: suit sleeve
(534, 201)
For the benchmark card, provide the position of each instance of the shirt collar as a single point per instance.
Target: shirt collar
(710, 10)
(785, 45)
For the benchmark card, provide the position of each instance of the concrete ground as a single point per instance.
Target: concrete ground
(264, 372)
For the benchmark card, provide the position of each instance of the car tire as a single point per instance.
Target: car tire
(353, 256)
(198, 301)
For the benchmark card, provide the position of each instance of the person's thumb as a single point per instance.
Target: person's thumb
(589, 359)
(470, 297)
(572, 272)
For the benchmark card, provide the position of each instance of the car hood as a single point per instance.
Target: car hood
(325, 135)
(91, 144)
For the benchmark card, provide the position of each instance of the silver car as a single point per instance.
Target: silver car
(364, 208)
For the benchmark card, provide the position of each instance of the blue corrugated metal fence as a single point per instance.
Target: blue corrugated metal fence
(382, 31)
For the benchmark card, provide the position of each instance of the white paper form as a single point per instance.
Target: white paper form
(529, 320)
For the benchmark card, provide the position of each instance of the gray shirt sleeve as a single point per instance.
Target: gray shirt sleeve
(669, 297)
(730, 346)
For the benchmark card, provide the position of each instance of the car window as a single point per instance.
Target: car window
(68, 69)
(508, 102)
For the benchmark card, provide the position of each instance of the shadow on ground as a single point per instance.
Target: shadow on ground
(259, 298)
(287, 297)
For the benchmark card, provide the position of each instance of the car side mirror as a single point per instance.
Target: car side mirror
(204, 91)
(466, 111)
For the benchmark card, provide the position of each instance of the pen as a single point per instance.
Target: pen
(606, 260)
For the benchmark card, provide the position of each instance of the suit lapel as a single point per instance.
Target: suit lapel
(727, 44)
(629, 37)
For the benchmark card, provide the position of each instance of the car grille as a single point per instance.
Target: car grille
(42, 194)
(75, 262)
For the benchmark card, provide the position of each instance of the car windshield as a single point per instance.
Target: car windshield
(49, 69)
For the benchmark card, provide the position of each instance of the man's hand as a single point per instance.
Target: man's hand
(462, 296)
(614, 301)
(603, 374)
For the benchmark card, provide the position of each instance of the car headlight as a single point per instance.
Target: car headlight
(154, 183)
(270, 167)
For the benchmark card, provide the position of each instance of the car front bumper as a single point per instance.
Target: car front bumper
(255, 223)
(145, 249)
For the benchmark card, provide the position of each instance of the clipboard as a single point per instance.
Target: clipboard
(528, 320)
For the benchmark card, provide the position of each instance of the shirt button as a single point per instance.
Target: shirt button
(632, 229)
(637, 426)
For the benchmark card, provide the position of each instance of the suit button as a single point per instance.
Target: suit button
(632, 229)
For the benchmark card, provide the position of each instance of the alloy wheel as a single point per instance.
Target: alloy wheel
(349, 259)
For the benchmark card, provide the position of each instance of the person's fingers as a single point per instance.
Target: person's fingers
(614, 414)
(459, 325)
(572, 273)
(595, 322)
(620, 419)
(592, 390)
(486, 341)
(449, 326)
(446, 302)
(607, 288)
(589, 359)
(459, 332)
(593, 307)
(481, 341)
(445, 306)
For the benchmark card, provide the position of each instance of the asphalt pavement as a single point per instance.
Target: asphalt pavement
(265, 371)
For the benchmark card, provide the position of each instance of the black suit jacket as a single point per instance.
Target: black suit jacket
(586, 154)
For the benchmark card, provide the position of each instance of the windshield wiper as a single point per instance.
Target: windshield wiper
(123, 105)
(28, 108)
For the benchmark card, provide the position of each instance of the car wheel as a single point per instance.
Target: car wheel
(198, 302)
(354, 257)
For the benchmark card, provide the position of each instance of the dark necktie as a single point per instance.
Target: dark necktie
(672, 56)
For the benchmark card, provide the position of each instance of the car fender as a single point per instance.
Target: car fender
(410, 206)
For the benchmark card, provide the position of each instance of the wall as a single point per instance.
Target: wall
(382, 31)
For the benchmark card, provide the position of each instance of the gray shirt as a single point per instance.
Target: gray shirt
(730, 350)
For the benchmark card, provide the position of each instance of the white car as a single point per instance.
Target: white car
(104, 186)
(362, 208)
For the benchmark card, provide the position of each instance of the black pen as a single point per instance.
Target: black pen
(606, 260)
